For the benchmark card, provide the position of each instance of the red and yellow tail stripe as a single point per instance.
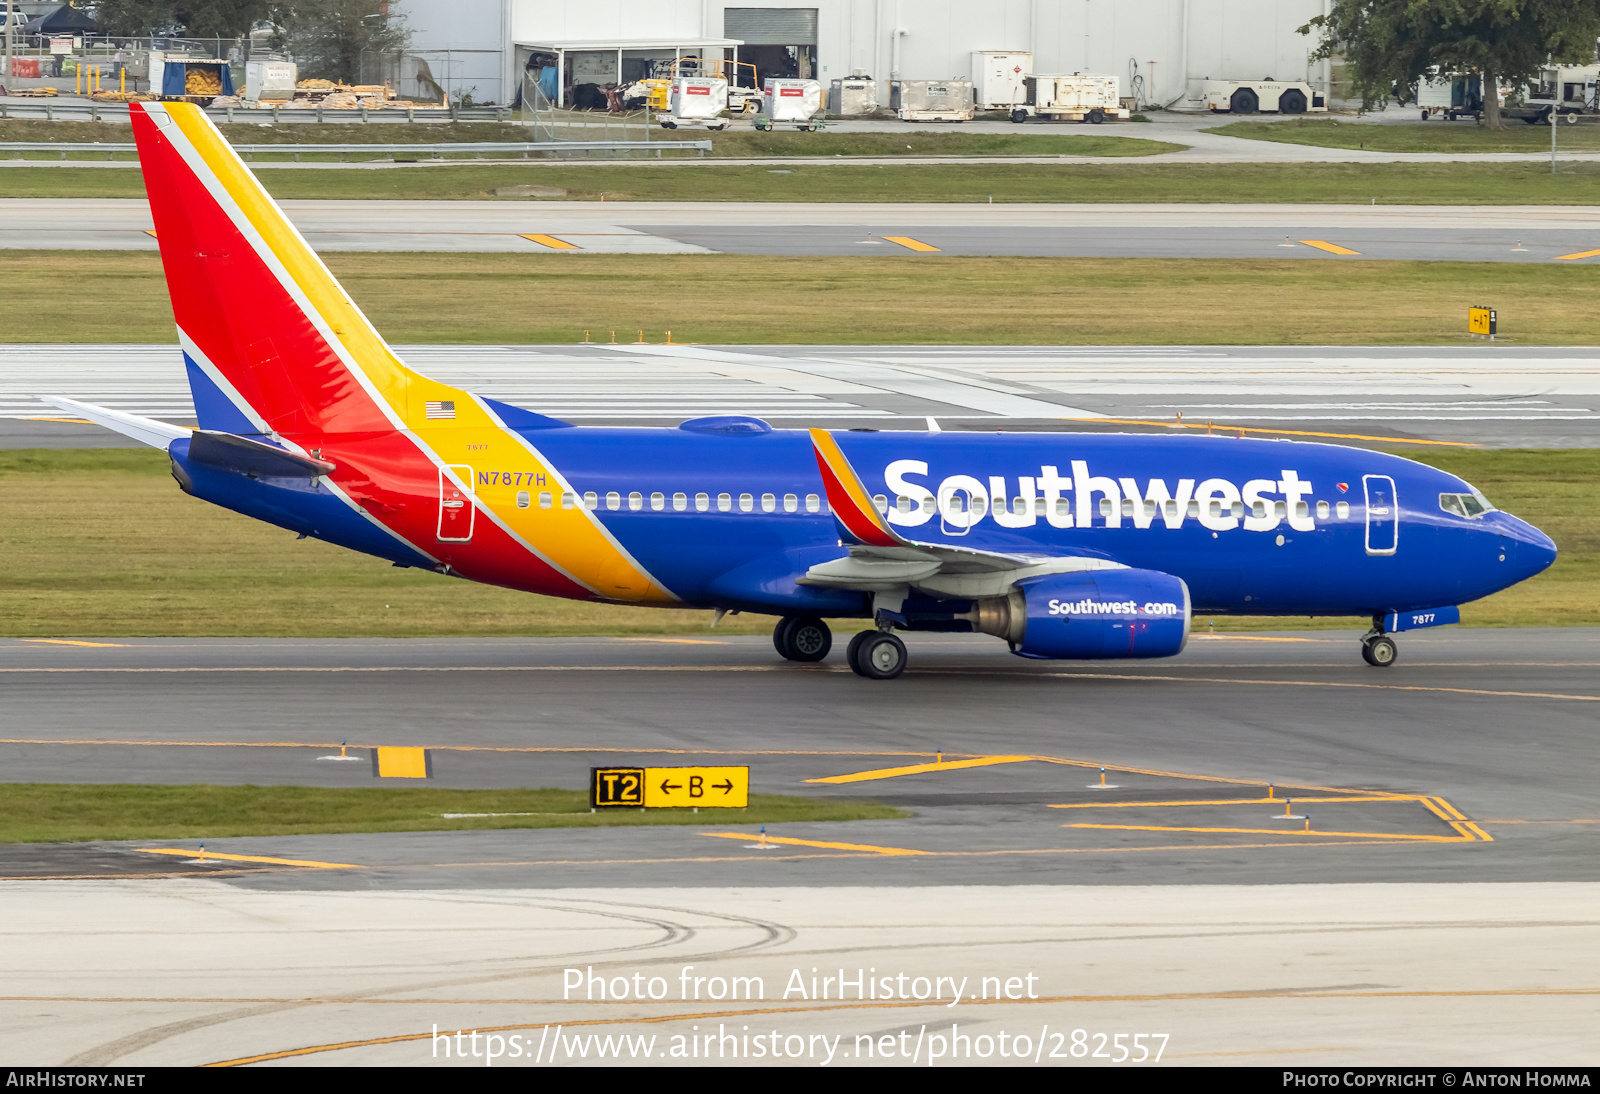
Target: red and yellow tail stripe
(852, 505)
(274, 327)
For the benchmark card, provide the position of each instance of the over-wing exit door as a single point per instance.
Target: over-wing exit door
(1383, 515)
(456, 511)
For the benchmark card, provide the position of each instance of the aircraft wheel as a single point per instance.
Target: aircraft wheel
(1379, 652)
(880, 656)
(854, 648)
(803, 638)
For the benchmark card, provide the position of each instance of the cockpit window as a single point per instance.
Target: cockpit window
(1465, 505)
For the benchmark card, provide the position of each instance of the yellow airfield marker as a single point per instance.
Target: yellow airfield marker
(910, 244)
(549, 241)
(1331, 248)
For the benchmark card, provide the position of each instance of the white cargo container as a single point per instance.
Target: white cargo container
(696, 101)
(796, 103)
(857, 95)
(270, 80)
(1076, 97)
(931, 100)
(1263, 96)
(999, 78)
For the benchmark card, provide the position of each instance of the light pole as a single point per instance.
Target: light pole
(10, 5)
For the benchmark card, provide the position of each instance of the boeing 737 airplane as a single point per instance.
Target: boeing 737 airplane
(1065, 545)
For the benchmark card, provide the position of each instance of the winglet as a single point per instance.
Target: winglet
(852, 506)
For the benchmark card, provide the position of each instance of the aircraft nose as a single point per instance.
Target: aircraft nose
(1528, 549)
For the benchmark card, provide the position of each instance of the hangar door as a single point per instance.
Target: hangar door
(780, 42)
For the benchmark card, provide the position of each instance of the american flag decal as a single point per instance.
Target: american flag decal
(443, 409)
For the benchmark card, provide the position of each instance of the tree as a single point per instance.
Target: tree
(1388, 45)
(188, 18)
(329, 38)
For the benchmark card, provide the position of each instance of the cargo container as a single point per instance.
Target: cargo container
(931, 100)
(180, 77)
(790, 103)
(270, 81)
(999, 79)
(697, 101)
(1076, 97)
(855, 96)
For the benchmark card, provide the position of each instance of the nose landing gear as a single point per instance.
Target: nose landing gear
(1377, 648)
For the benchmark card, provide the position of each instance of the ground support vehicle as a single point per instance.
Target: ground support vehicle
(795, 104)
(1453, 96)
(697, 102)
(1561, 89)
(999, 78)
(1074, 97)
(1262, 97)
(931, 100)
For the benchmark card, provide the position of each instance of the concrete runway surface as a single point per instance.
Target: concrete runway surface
(134, 974)
(1446, 914)
(1476, 393)
(1475, 234)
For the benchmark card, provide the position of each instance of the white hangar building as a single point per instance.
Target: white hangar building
(486, 48)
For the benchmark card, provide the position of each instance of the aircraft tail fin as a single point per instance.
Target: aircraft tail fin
(273, 344)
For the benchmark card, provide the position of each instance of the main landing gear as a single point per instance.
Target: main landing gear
(802, 638)
(877, 655)
(1377, 648)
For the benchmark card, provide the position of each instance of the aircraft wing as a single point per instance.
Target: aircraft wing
(883, 560)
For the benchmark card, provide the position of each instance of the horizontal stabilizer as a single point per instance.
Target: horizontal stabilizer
(254, 458)
(145, 430)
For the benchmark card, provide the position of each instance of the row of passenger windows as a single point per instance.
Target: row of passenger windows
(769, 503)
(1063, 506)
(658, 502)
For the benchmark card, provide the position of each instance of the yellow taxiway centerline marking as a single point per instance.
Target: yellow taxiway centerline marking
(74, 642)
(550, 241)
(871, 848)
(1226, 430)
(1580, 254)
(919, 769)
(150, 232)
(1277, 832)
(73, 421)
(1331, 248)
(653, 1019)
(910, 244)
(187, 853)
(1240, 801)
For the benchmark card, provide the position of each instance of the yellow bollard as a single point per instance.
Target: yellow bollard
(1287, 802)
(613, 338)
(122, 81)
(641, 338)
(1269, 792)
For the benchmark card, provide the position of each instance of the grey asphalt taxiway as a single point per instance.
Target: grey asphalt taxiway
(1471, 760)
(1513, 234)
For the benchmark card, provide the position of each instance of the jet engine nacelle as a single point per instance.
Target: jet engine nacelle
(1098, 614)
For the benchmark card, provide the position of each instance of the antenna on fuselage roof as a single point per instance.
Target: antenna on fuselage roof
(933, 425)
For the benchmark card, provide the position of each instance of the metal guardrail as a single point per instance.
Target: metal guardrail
(433, 151)
(49, 109)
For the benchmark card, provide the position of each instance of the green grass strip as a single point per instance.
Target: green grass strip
(75, 812)
(1134, 181)
(1432, 136)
